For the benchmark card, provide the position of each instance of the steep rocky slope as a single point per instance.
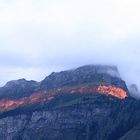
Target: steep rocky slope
(88, 103)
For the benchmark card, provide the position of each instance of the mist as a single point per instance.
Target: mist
(39, 37)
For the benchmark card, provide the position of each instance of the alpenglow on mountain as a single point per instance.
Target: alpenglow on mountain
(91, 102)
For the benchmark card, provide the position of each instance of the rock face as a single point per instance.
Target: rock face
(94, 118)
(18, 88)
(81, 75)
(88, 103)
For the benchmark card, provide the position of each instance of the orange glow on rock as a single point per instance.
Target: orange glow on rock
(46, 96)
(112, 90)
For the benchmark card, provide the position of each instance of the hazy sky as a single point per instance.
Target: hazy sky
(41, 36)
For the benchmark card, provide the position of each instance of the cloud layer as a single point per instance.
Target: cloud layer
(38, 37)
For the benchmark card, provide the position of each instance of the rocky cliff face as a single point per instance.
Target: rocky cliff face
(18, 88)
(91, 118)
(87, 103)
(81, 75)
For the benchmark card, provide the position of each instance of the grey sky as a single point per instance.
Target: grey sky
(41, 36)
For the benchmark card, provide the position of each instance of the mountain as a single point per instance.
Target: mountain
(81, 75)
(18, 88)
(91, 102)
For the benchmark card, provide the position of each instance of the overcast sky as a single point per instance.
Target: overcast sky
(41, 36)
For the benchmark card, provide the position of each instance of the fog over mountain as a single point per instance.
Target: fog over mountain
(38, 37)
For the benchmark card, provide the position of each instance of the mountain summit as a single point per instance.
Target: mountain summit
(90, 79)
(84, 74)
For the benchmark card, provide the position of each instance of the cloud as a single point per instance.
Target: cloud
(114, 19)
(38, 37)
